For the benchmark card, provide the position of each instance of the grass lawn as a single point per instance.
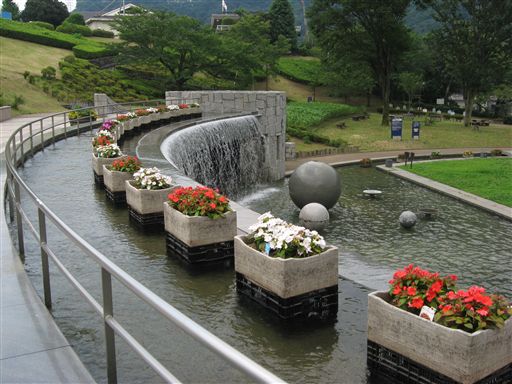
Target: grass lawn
(489, 178)
(369, 135)
(18, 56)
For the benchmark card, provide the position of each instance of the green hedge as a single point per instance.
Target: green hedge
(33, 33)
(299, 69)
(44, 25)
(309, 115)
(71, 28)
(102, 33)
(316, 138)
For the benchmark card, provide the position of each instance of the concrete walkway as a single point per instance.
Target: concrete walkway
(32, 347)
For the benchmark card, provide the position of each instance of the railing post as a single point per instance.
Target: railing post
(42, 135)
(31, 140)
(65, 125)
(44, 260)
(8, 186)
(22, 151)
(53, 129)
(19, 219)
(108, 311)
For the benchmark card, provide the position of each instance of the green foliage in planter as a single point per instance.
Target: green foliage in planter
(43, 24)
(299, 69)
(74, 28)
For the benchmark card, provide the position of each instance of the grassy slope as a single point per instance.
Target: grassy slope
(490, 178)
(369, 135)
(19, 56)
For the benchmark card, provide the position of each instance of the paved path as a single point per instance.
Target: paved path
(32, 347)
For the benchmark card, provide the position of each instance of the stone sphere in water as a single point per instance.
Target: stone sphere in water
(314, 216)
(315, 182)
(407, 219)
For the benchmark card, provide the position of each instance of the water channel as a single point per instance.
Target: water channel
(462, 240)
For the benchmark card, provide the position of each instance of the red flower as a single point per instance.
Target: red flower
(483, 311)
(213, 205)
(397, 290)
(411, 291)
(447, 307)
(417, 302)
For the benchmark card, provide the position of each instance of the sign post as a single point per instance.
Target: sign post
(396, 129)
(416, 130)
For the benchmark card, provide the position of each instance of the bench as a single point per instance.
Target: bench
(341, 125)
(360, 117)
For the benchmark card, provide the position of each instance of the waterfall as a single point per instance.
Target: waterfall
(225, 154)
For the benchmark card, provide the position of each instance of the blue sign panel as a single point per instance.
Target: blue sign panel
(396, 129)
(415, 130)
(6, 15)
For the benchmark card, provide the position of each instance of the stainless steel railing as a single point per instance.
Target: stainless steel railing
(38, 134)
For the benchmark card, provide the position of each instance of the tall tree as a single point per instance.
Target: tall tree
(50, 11)
(10, 6)
(475, 41)
(367, 31)
(411, 83)
(282, 22)
(180, 44)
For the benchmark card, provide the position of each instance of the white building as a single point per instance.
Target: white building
(104, 21)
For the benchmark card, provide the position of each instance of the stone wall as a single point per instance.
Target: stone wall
(270, 108)
(5, 113)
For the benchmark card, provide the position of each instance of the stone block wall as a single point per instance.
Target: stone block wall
(270, 108)
(290, 150)
(5, 113)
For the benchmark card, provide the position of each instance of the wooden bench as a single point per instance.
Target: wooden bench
(360, 117)
(341, 125)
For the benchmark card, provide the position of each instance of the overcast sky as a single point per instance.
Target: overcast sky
(70, 3)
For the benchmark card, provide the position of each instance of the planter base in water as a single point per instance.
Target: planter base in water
(321, 304)
(148, 220)
(218, 253)
(98, 180)
(389, 367)
(118, 197)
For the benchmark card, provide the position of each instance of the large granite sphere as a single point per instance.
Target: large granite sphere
(314, 216)
(408, 219)
(315, 182)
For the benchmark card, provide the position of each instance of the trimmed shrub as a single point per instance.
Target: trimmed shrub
(48, 73)
(43, 24)
(299, 69)
(89, 51)
(102, 33)
(75, 18)
(35, 34)
(71, 28)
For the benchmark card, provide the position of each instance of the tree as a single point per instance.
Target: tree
(10, 6)
(50, 11)
(411, 83)
(282, 22)
(348, 79)
(182, 45)
(368, 32)
(248, 48)
(75, 18)
(475, 41)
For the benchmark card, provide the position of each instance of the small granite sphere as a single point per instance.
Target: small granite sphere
(407, 219)
(315, 182)
(314, 216)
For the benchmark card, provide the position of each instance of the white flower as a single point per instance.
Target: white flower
(172, 107)
(152, 110)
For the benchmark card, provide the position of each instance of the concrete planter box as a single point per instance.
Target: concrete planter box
(145, 201)
(99, 162)
(461, 356)
(114, 180)
(136, 122)
(196, 231)
(287, 277)
(155, 116)
(165, 115)
(145, 119)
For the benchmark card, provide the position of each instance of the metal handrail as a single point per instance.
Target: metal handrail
(16, 145)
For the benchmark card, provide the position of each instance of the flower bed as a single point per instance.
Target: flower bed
(468, 339)
(200, 225)
(292, 266)
(116, 175)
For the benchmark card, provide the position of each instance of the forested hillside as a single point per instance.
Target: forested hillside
(418, 20)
